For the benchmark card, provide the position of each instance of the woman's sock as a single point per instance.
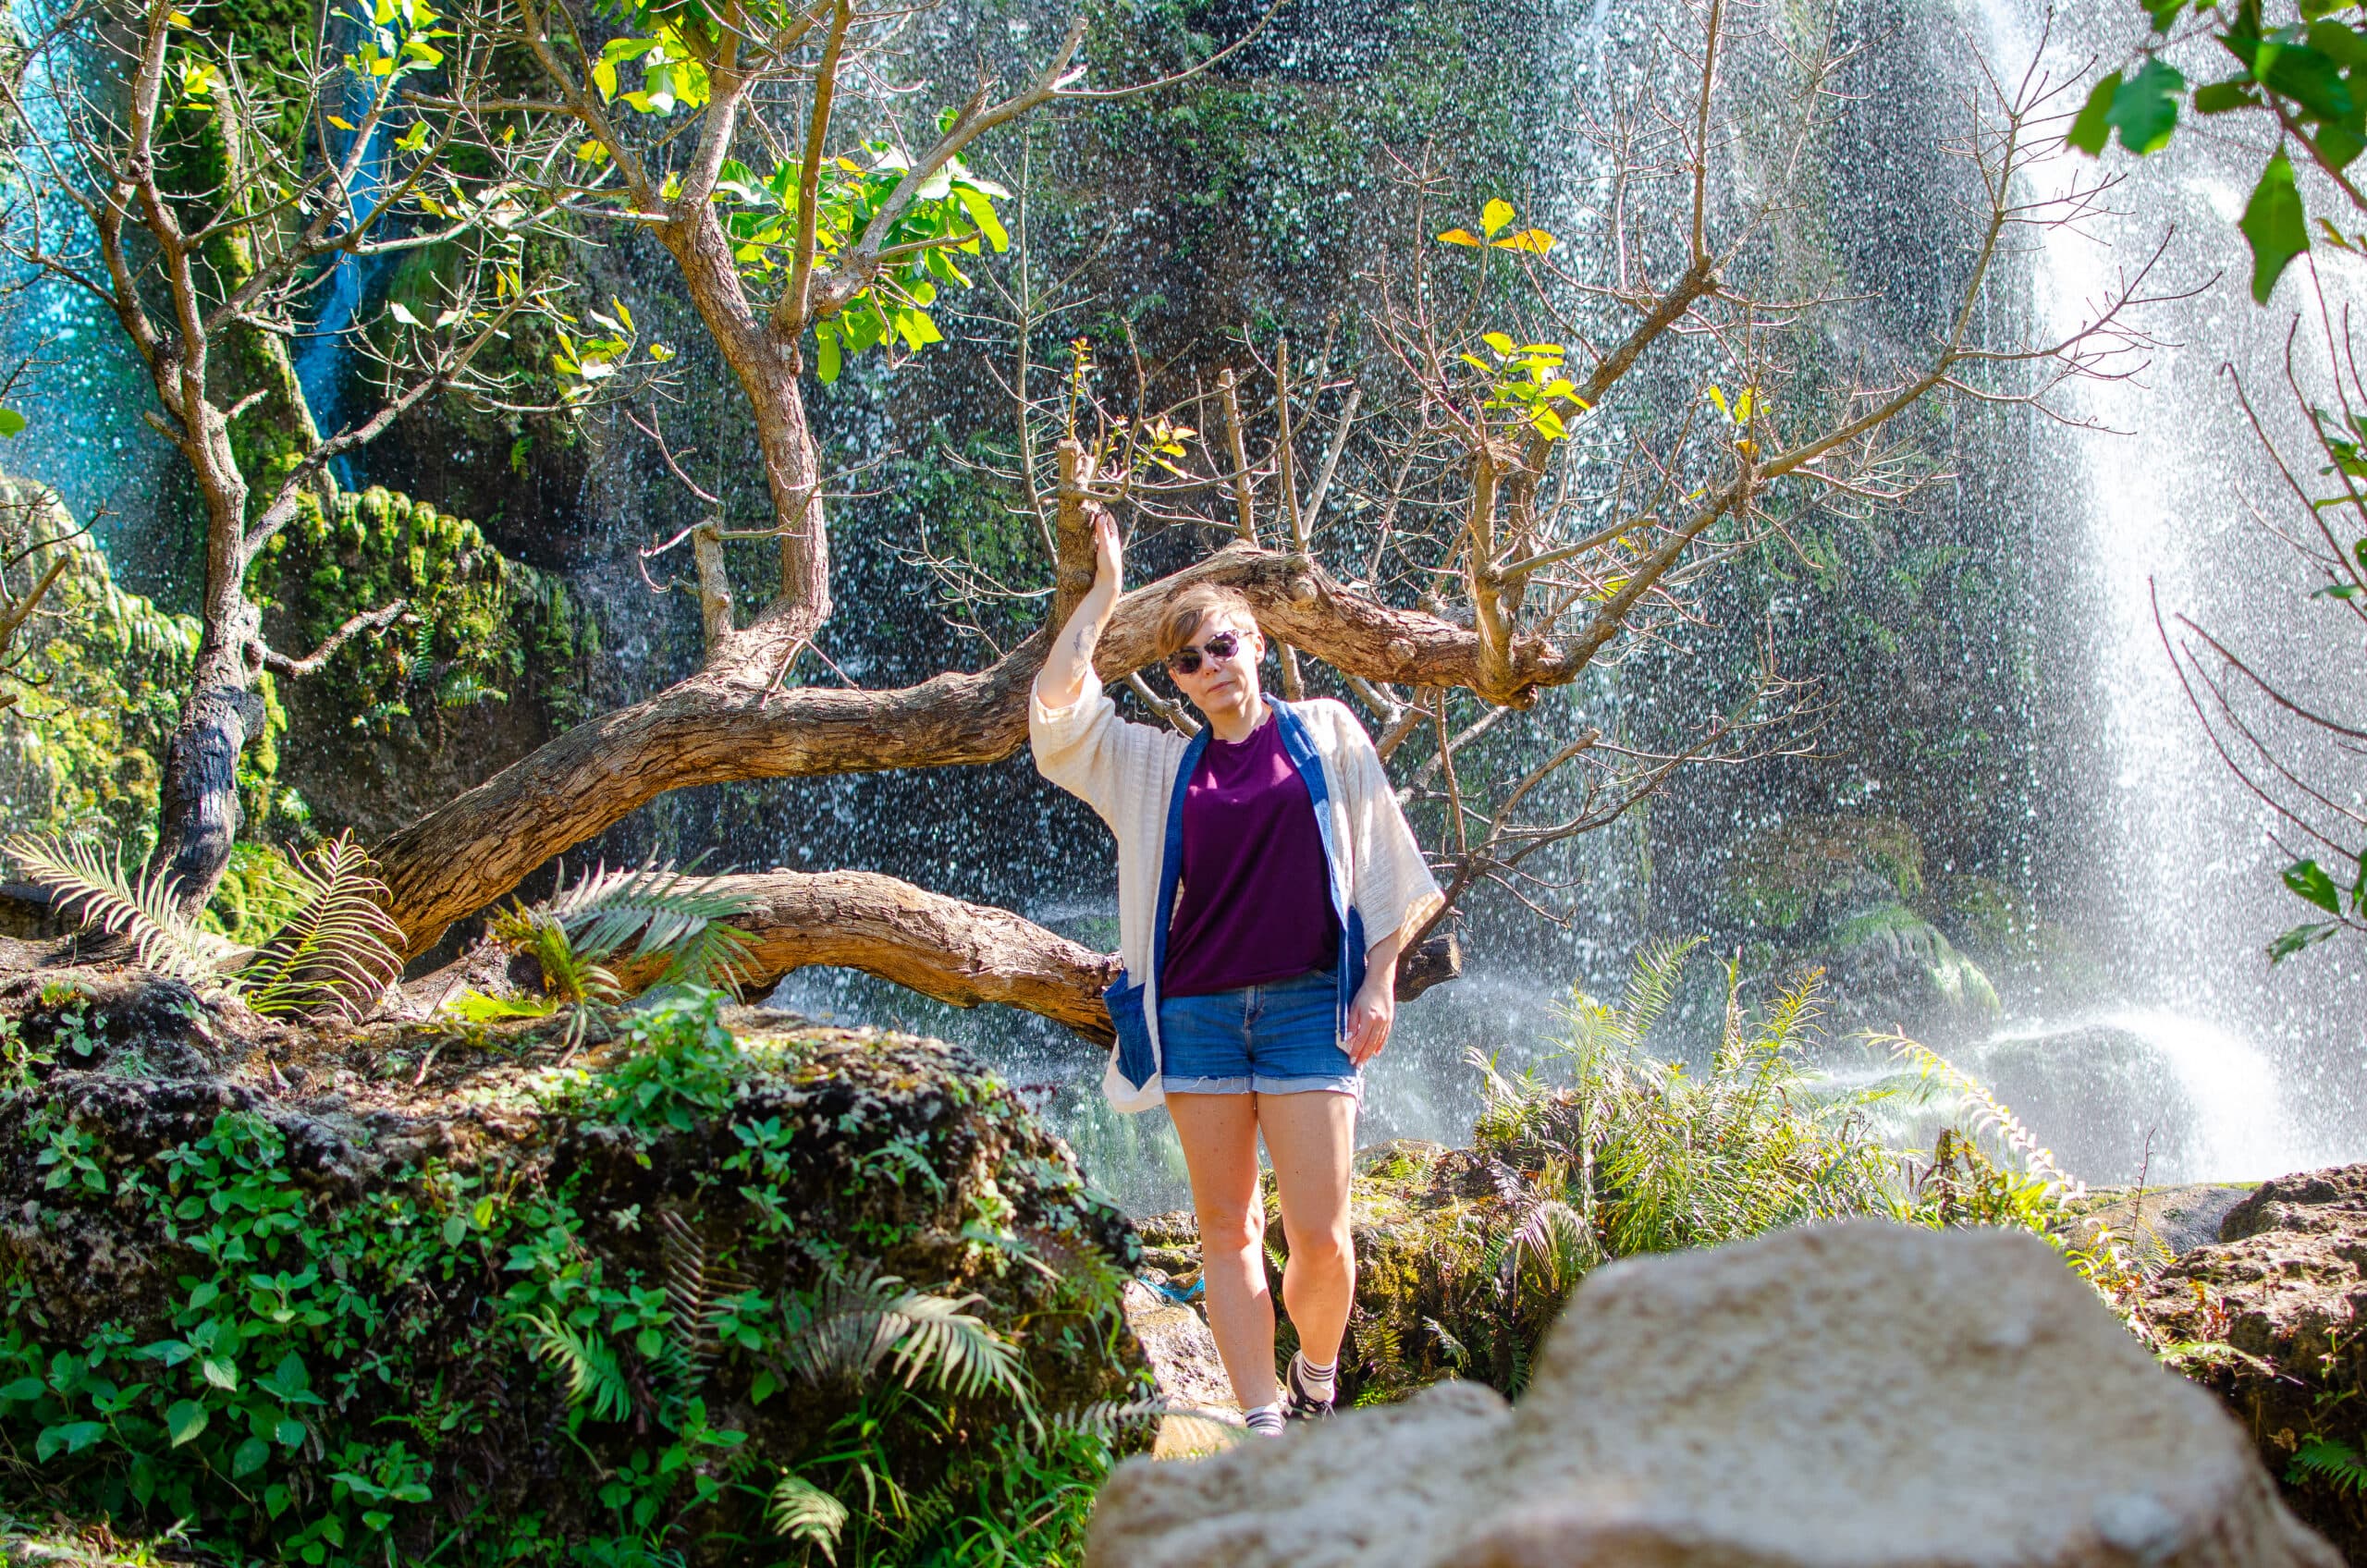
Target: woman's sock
(1319, 1383)
(1265, 1420)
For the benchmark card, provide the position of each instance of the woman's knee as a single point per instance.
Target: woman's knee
(1228, 1229)
(1327, 1249)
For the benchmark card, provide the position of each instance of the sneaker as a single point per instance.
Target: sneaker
(1297, 1403)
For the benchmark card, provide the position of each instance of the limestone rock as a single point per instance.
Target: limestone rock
(2268, 1317)
(1849, 1396)
(1186, 1375)
(2163, 1223)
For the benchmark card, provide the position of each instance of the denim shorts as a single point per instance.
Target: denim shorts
(1279, 1038)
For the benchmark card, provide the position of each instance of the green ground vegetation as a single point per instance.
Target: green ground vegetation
(739, 1297)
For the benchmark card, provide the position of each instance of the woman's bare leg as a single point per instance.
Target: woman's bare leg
(1311, 1138)
(1219, 1137)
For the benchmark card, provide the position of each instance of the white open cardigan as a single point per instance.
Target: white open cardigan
(1126, 773)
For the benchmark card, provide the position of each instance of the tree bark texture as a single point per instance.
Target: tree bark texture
(958, 952)
(727, 723)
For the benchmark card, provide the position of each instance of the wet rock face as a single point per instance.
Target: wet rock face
(1858, 1394)
(2268, 1317)
(242, 1257)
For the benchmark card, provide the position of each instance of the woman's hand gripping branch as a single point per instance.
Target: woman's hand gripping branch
(1063, 681)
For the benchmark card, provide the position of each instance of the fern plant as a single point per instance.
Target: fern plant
(838, 1334)
(89, 884)
(660, 926)
(333, 953)
(2330, 1461)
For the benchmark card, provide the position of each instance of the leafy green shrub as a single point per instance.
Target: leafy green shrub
(616, 1342)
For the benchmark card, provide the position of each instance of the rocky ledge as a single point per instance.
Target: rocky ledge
(2269, 1317)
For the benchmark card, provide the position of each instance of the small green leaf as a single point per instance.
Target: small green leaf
(1499, 341)
(2340, 145)
(2309, 879)
(250, 1457)
(71, 1438)
(2299, 938)
(2221, 97)
(2273, 225)
(2145, 109)
(184, 1420)
(220, 1371)
(11, 422)
(2091, 129)
(24, 1388)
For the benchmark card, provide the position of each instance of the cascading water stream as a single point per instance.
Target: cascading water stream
(2160, 858)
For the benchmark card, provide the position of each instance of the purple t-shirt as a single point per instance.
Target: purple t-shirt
(1257, 900)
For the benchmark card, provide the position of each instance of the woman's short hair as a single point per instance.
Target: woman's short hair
(1189, 605)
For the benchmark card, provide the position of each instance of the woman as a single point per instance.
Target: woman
(1266, 882)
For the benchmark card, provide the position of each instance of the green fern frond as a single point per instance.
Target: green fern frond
(1654, 986)
(593, 1377)
(1990, 1115)
(2331, 1461)
(804, 1511)
(695, 1290)
(91, 884)
(961, 1354)
(653, 910)
(838, 1332)
(336, 954)
(1190, 1429)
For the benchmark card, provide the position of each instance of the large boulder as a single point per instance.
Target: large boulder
(2269, 1317)
(1858, 1394)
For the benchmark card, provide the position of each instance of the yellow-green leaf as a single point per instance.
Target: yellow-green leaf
(1499, 341)
(1495, 216)
(1458, 236)
(1719, 397)
(1534, 241)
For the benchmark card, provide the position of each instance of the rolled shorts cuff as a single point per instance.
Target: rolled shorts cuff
(1174, 1086)
(1351, 1085)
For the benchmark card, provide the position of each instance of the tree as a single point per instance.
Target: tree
(205, 199)
(1544, 443)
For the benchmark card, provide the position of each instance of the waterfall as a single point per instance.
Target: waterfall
(2157, 853)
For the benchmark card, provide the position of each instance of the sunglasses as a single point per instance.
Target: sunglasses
(1186, 661)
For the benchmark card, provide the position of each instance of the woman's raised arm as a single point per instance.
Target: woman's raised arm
(1063, 680)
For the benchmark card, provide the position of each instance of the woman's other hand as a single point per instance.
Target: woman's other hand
(1373, 1011)
(1371, 1014)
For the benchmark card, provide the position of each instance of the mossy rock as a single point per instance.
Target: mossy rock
(490, 659)
(99, 690)
(423, 1287)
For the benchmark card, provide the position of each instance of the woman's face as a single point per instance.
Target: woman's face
(1224, 687)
